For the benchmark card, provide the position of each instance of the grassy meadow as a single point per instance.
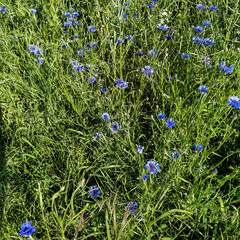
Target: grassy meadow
(119, 120)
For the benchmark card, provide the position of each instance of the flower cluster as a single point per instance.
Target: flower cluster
(38, 52)
(71, 18)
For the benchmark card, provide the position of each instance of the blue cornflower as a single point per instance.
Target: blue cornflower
(75, 23)
(94, 191)
(40, 60)
(70, 19)
(150, 5)
(105, 116)
(133, 206)
(234, 101)
(75, 63)
(200, 6)
(90, 66)
(27, 229)
(199, 29)
(129, 37)
(75, 36)
(206, 23)
(126, 4)
(120, 40)
(226, 70)
(103, 89)
(145, 177)
(125, 15)
(162, 27)
(67, 14)
(71, 9)
(140, 149)
(94, 44)
(121, 83)
(169, 37)
(91, 28)
(198, 147)
(78, 68)
(33, 11)
(147, 70)
(155, 1)
(38, 52)
(3, 9)
(115, 127)
(169, 78)
(64, 45)
(32, 48)
(98, 135)
(140, 54)
(80, 52)
(213, 8)
(67, 24)
(203, 88)
(136, 15)
(92, 79)
(208, 41)
(75, 14)
(153, 53)
(201, 169)
(198, 40)
(152, 166)
(206, 61)
(170, 123)
(174, 155)
(161, 116)
(186, 55)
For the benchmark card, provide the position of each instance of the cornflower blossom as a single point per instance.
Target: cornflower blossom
(75, 14)
(201, 169)
(126, 4)
(206, 23)
(64, 45)
(121, 83)
(38, 52)
(198, 147)
(174, 155)
(120, 40)
(78, 68)
(161, 116)
(33, 11)
(91, 28)
(203, 88)
(105, 116)
(75, 36)
(147, 70)
(140, 54)
(133, 206)
(67, 14)
(153, 53)
(226, 70)
(162, 27)
(27, 229)
(186, 55)
(152, 166)
(150, 5)
(215, 171)
(91, 79)
(103, 89)
(115, 127)
(140, 149)
(94, 191)
(99, 135)
(200, 6)
(199, 29)
(198, 40)
(155, 1)
(212, 8)
(206, 61)
(208, 41)
(67, 24)
(129, 37)
(169, 37)
(32, 48)
(169, 78)
(40, 60)
(70, 19)
(3, 9)
(145, 177)
(125, 15)
(170, 123)
(71, 9)
(75, 23)
(234, 101)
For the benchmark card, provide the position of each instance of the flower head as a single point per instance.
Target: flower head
(174, 155)
(198, 147)
(200, 6)
(94, 191)
(132, 207)
(105, 116)
(234, 101)
(198, 40)
(153, 53)
(226, 70)
(71, 9)
(3, 9)
(33, 11)
(98, 135)
(115, 127)
(199, 29)
(186, 55)
(91, 28)
(152, 166)
(91, 79)
(145, 177)
(203, 88)
(66, 14)
(140, 54)
(64, 45)
(70, 19)
(150, 5)
(129, 37)
(32, 48)
(206, 23)
(121, 83)
(27, 229)
(40, 60)
(139, 149)
(75, 23)
(170, 123)
(147, 70)
(80, 52)
(126, 4)
(208, 41)
(67, 24)
(161, 116)
(162, 27)
(38, 52)
(75, 14)
(125, 15)
(78, 68)
(207, 61)
(212, 8)
(103, 89)
(169, 37)
(120, 40)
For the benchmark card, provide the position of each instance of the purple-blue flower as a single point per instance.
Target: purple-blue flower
(198, 147)
(226, 70)
(150, 5)
(203, 88)
(198, 40)
(174, 155)
(71, 9)
(125, 15)
(75, 23)
(32, 48)
(200, 6)
(234, 101)
(67, 24)
(206, 23)
(145, 177)
(94, 191)
(103, 89)
(199, 29)
(140, 54)
(170, 123)
(91, 79)
(186, 55)
(105, 116)
(98, 135)
(33, 11)
(78, 68)
(70, 19)
(147, 70)
(67, 14)
(152, 166)
(133, 206)
(80, 52)
(129, 37)
(162, 27)
(115, 127)
(40, 60)
(121, 83)
(208, 41)
(207, 61)
(3, 9)
(91, 28)
(75, 14)
(169, 78)
(126, 4)
(38, 52)
(155, 1)
(140, 149)
(169, 37)
(153, 53)
(213, 8)
(161, 116)
(120, 40)
(64, 45)
(75, 36)
(27, 229)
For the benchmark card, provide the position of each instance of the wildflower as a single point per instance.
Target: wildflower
(200, 6)
(174, 155)
(136, 15)
(234, 101)
(32, 48)
(92, 79)
(98, 135)
(169, 78)
(161, 116)
(186, 55)
(133, 206)
(203, 88)
(206, 23)
(75, 63)
(198, 147)
(140, 54)
(155, 1)
(40, 60)
(27, 229)
(91, 28)
(170, 123)
(67, 14)
(71, 9)
(94, 191)
(150, 5)
(105, 116)
(78, 68)
(208, 41)
(70, 19)
(75, 14)
(75, 23)
(226, 70)
(120, 40)
(80, 52)
(198, 40)
(139, 149)
(129, 37)
(164, 27)
(67, 24)
(215, 171)
(38, 52)
(145, 177)
(3, 9)
(115, 127)
(103, 89)
(201, 169)
(121, 83)
(90, 66)
(153, 53)
(199, 29)
(94, 44)
(152, 166)
(213, 8)
(64, 45)
(126, 4)
(125, 15)
(147, 70)
(206, 61)
(169, 37)
(75, 36)
(33, 11)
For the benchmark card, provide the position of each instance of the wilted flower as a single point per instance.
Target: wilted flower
(206, 23)
(153, 53)
(186, 55)
(161, 116)
(164, 27)
(198, 147)
(226, 70)
(234, 101)
(147, 70)
(94, 191)
(208, 41)
(133, 206)
(115, 127)
(213, 8)
(91, 28)
(199, 29)
(174, 155)
(121, 83)
(145, 177)
(139, 149)
(103, 89)
(105, 116)
(27, 229)
(152, 166)
(203, 88)
(198, 40)
(170, 123)
(200, 6)
(33, 11)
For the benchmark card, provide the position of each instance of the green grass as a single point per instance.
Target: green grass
(49, 115)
